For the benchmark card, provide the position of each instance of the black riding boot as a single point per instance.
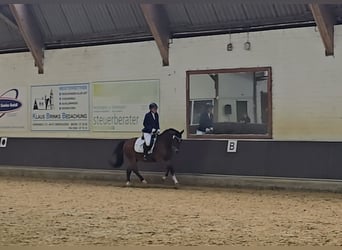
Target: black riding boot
(145, 152)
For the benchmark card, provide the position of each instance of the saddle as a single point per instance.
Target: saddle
(139, 144)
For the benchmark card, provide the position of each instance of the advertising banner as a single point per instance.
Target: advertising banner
(121, 106)
(13, 109)
(60, 107)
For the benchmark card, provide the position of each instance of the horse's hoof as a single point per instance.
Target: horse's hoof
(128, 183)
(164, 178)
(144, 181)
(177, 185)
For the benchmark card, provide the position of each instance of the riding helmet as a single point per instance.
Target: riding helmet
(153, 105)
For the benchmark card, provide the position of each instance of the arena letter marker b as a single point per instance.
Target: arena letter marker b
(232, 146)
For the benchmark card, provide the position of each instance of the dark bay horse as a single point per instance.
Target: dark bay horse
(167, 143)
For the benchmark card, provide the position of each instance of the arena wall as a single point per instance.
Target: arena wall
(306, 101)
(306, 84)
(290, 159)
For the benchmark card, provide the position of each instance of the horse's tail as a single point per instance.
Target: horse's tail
(119, 155)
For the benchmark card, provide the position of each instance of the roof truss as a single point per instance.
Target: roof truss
(325, 22)
(30, 32)
(158, 23)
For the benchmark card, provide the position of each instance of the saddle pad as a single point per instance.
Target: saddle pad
(139, 146)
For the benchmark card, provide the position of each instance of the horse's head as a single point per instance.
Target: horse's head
(173, 137)
(176, 140)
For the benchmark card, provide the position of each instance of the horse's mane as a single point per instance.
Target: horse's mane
(170, 130)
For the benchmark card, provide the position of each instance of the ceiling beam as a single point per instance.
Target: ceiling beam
(158, 23)
(30, 32)
(325, 21)
(8, 21)
(174, 1)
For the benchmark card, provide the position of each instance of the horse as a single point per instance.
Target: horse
(167, 143)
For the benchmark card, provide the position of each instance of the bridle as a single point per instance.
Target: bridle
(178, 139)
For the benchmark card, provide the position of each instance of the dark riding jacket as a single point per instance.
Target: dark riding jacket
(206, 121)
(150, 122)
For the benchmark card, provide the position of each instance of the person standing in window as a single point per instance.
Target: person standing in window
(151, 126)
(206, 121)
(245, 119)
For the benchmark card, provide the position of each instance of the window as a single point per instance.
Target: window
(230, 103)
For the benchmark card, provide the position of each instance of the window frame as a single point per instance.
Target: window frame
(269, 135)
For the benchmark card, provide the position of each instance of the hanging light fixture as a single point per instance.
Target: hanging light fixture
(247, 45)
(230, 45)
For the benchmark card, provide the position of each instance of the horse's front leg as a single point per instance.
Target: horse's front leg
(166, 173)
(170, 169)
(173, 174)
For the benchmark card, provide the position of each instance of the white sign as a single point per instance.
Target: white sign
(60, 107)
(232, 146)
(13, 108)
(121, 106)
(3, 142)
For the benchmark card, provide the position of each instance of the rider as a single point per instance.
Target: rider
(151, 126)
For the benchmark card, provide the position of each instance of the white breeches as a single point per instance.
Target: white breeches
(147, 138)
(199, 132)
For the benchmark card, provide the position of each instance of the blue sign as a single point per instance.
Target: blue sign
(9, 102)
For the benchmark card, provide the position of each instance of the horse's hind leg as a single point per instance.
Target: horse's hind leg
(135, 170)
(141, 178)
(128, 176)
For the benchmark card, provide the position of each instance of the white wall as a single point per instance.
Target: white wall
(307, 85)
(235, 87)
(201, 87)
